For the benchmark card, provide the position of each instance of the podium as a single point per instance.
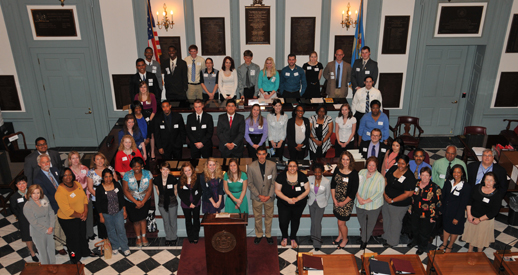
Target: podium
(225, 244)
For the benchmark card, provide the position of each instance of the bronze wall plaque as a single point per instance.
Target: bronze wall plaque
(395, 34)
(507, 90)
(460, 20)
(224, 241)
(512, 41)
(121, 88)
(390, 85)
(302, 39)
(9, 100)
(257, 25)
(166, 41)
(212, 31)
(346, 43)
(54, 23)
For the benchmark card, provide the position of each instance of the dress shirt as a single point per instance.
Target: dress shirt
(49, 175)
(367, 124)
(227, 85)
(172, 65)
(255, 129)
(481, 171)
(142, 76)
(346, 128)
(412, 166)
(439, 170)
(200, 66)
(360, 98)
(277, 129)
(253, 70)
(339, 77)
(371, 188)
(377, 149)
(266, 84)
(293, 80)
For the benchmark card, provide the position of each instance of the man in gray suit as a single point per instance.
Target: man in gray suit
(231, 132)
(261, 182)
(31, 168)
(338, 75)
(153, 66)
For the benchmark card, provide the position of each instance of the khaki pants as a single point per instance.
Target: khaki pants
(58, 232)
(258, 215)
(194, 92)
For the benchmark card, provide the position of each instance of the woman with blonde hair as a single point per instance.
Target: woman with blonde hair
(81, 171)
(127, 151)
(235, 183)
(313, 70)
(189, 192)
(268, 81)
(212, 185)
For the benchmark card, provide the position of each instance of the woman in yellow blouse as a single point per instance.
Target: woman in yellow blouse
(72, 213)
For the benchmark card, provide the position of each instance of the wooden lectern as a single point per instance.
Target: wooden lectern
(225, 244)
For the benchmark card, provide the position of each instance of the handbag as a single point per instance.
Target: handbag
(105, 248)
(151, 222)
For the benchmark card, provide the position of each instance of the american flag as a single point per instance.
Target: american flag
(359, 41)
(152, 36)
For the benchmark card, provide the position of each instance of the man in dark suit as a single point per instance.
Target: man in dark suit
(476, 171)
(231, 131)
(374, 147)
(169, 133)
(363, 67)
(31, 168)
(200, 128)
(48, 178)
(174, 70)
(149, 78)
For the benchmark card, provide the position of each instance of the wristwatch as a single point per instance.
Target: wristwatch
(391, 201)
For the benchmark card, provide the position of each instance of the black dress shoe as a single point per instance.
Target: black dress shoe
(35, 259)
(258, 240)
(269, 240)
(173, 242)
(363, 246)
(386, 245)
(167, 243)
(411, 244)
(419, 252)
(195, 241)
(191, 241)
(317, 249)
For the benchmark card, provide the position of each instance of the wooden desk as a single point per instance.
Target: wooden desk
(461, 264)
(510, 268)
(413, 259)
(333, 264)
(39, 269)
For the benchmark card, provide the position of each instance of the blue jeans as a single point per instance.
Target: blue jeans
(116, 232)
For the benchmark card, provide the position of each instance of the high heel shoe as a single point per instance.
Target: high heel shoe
(337, 242)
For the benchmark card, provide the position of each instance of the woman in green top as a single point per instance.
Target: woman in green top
(235, 184)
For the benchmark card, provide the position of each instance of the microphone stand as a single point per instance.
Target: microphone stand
(363, 271)
(501, 268)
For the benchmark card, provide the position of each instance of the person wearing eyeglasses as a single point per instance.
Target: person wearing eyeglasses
(30, 167)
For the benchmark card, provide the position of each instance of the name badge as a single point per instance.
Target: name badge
(83, 171)
(150, 81)
(147, 119)
(169, 186)
(205, 75)
(260, 127)
(124, 158)
(416, 189)
(207, 184)
(442, 176)
(345, 179)
(116, 190)
(55, 172)
(486, 200)
(162, 127)
(456, 193)
(298, 188)
(383, 150)
(185, 187)
(369, 134)
(380, 122)
(153, 71)
(20, 200)
(364, 149)
(401, 179)
(273, 79)
(332, 77)
(296, 74)
(132, 180)
(252, 72)
(73, 195)
(204, 126)
(198, 63)
(213, 74)
(250, 129)
(167, 70)
(193, 128)
(175, 126)
(331, 73)
(269, 177)
(367, 72)
(145, 180)
(309, 68)
(196, 193)
(357, 69)
(301, 183)
(317, 69)
(287, 74)
(153, 67)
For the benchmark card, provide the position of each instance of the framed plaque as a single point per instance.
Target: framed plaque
(166, 41)
(460, 19)
(395, 34)
(302, 39)
(257, 25)
(390, 85)
(9, 98)
(121, 88)
(512, 40)
(507, 90)
(54, 22)
(346, 43)
(212, 31)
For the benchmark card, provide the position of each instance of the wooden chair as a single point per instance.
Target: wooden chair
(474, 130)
(11, 145)
(510, 135)
(409, 137)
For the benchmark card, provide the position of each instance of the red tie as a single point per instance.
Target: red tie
(230, 122)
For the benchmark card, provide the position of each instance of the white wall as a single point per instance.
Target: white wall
(261, 52)
(179, 21)
(211, 8)
(395, 63)
(509, 60)
(7, 60)
(120, 39)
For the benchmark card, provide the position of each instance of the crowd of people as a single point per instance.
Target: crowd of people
(59, 206)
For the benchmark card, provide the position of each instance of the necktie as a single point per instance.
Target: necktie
(143, 78)
(230, 122)
(338, 78)
(51, 178)
(373, 151)
(172, 67)
(193, 71)
(416, 173)
(364, 63)
(448, 170)
(247, 77)
(199, 119)
(367, 101)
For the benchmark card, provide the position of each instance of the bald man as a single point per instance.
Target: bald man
(338, 75)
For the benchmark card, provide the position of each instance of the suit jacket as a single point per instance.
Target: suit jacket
(500, 174)
(290, 133)
(48, 188)
(359, 73)
(169, 134)
(175, 81)
(323, 193)
(155, 69)
(151, 81)
(382, 150)
(235, 135)
(258, 185)
(200, 132)
(331, 83)
(31, 168)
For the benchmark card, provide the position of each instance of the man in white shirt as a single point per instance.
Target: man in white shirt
(362, 99)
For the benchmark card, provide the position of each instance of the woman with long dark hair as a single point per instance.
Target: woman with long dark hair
(256, 131)
(190, 193)
(396, 149)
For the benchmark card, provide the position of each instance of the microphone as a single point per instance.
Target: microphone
(432, 269)
(501, 268)
(365, 246)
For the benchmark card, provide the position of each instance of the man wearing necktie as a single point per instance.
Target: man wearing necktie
(363, 98)
(374, 147)
(363, 67)
(144, 76)
(477, 170)
(195, 64)
(441, 166)
(200, 128)
(247, 77)
(418, 163)
(338, 75)
(174, 72)
(231, 132)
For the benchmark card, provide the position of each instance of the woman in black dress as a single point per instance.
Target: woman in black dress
(344, 186)
(456, 193)
(190, 192)
(17, 201)
(313, 70)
